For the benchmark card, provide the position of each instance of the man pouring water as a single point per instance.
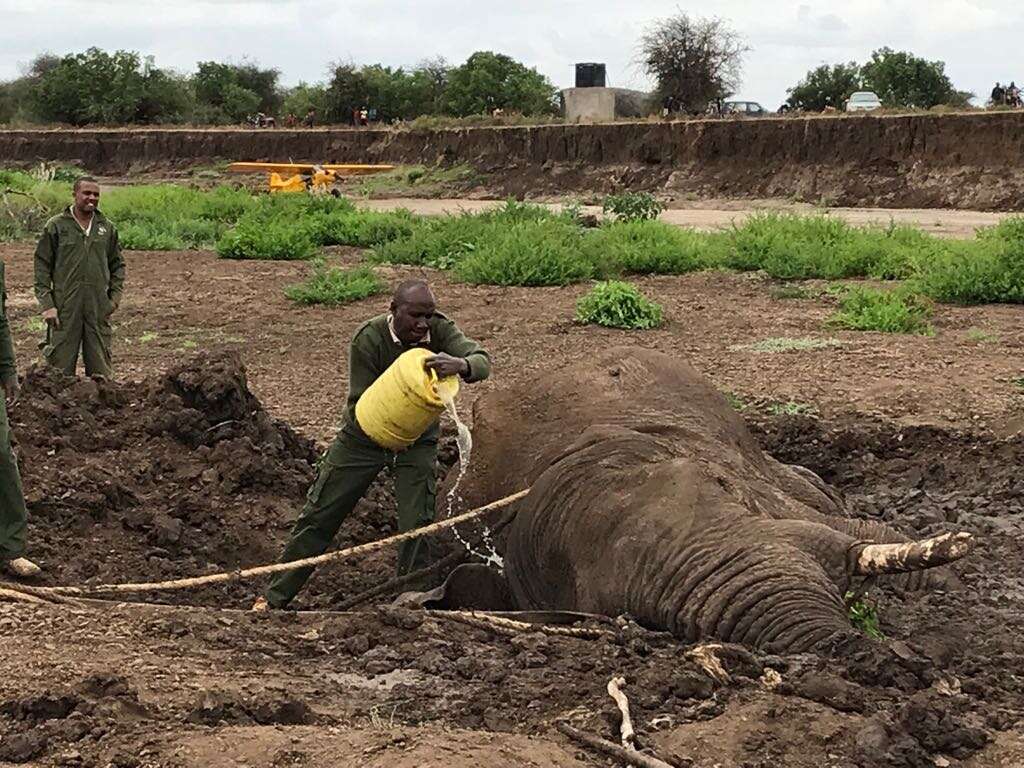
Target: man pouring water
(354, 460)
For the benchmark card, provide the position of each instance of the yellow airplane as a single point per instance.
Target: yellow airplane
(299, 177)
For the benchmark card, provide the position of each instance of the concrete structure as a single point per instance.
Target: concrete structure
(588, 105)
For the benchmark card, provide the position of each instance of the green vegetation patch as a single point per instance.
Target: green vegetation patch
(332, 287)
(615, 304)
(895, 311)
(784, 344)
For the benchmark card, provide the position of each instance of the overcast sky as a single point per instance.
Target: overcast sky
(980, 40)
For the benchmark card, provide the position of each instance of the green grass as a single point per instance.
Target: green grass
(332, 287)
(523, 244)
(633, 206)
(266, 240)
(785, 292)
(893, 311)
(651, 247)
(791, 408)
(979, 336)
(615, 304)
(864, 616)
(784, 344)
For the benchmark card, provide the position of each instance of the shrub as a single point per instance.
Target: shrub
(440, 242)
(633, 206)
(896, 311)
(529, 254)
(615, 304)
(147, 236)
(266, 240)
(788, 246)
(991, 270)
(651, 247)
(333, 287)
(363, 229)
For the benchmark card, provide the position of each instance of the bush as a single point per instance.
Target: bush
(147, 236)
(616, 304)
(363, 229)
(266, 240)
(651, 247)
(529, 254)
(896, 311)
(987, 272)
(333, 287)
(788, 246)
(633, 206)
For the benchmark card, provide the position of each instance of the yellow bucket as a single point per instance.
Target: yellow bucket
(404, 401)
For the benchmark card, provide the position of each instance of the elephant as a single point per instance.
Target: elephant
(649, 497)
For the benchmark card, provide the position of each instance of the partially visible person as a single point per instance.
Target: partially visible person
(13, 515)
(79, 281)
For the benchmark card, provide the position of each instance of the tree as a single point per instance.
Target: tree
(431, 85)
(694, 60)
(903, 80)
(825, 86)
(111, 88)
(16, 96)
(489, 81)
(346, 91)
(304, 97)
(230, 92)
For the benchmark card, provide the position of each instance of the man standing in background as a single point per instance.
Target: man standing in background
(79, 279)
(13, 515)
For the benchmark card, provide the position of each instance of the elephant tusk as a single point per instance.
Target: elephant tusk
(875, 559)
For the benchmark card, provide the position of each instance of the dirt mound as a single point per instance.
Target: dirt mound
(917, 161)
(178, 472)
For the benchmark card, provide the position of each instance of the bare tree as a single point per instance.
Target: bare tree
(695, 61)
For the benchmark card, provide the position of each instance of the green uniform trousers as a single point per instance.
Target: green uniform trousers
(84, 313)
(346, 472)
(12, 503)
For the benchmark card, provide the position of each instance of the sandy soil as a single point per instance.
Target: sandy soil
(716, 214)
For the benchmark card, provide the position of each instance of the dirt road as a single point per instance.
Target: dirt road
(716, 214)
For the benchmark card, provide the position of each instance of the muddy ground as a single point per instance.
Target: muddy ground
(196, 460)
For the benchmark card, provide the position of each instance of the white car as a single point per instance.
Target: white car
(863, 101)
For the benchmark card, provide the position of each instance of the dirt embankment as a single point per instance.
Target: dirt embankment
(948, 161)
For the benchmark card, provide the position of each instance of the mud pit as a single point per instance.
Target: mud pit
(185, 472)
(908, 428)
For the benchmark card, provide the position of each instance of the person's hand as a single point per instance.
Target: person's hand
(446, 365)
(11, 388)
(50, 316)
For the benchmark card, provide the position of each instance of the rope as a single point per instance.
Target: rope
(505, 626)
(248, 573)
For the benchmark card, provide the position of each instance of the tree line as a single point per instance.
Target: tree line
(123, 87)
(693, 61)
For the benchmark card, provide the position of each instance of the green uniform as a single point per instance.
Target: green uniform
(353, 461)
(12, 502)
(82, 275)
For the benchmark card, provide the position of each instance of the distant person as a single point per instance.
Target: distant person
(363, 116)
(998, 94)
(309, 119)
(13, 514)
(372, 115)
(1013, 95)
(79, 281)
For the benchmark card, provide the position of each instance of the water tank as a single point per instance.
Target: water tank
(590, 75)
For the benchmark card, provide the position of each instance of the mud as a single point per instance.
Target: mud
(113, 469)
(940, 161)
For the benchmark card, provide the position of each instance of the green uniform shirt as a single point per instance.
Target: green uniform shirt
(67, 259)
(7, 366)
(373, 349)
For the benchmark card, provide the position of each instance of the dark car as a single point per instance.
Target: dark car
(747, 108)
